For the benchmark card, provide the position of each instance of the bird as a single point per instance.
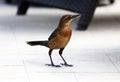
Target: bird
(58, 39)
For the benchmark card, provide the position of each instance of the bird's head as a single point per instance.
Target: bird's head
(66, 19)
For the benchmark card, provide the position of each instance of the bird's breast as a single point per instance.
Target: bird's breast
(61, 39)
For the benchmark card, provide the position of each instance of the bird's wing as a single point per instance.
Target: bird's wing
(53, 34)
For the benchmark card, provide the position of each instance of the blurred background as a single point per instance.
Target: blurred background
(94, 48)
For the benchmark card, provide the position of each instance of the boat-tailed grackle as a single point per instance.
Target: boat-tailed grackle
(58, 39)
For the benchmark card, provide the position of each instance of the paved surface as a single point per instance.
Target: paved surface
(95, 53)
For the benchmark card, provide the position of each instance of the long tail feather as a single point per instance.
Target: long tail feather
(34, 43)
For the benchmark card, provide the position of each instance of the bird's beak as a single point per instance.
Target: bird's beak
(74, 16)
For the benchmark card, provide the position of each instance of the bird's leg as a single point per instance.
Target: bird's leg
(65, 63)
(50, 52)
(52, 64)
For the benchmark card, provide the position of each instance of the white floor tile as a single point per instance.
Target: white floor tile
(13, 74)
(10, 60)
(87, 61)
(53, 77)
(98, 77)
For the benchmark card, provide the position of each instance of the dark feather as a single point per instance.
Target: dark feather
(53, 34)
(34, 43)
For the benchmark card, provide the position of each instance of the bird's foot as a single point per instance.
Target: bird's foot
(53, 65)
(67, 65)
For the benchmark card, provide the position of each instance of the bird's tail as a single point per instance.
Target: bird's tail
(34, 43)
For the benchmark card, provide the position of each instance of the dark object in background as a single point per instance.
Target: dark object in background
(12, 1)
(101, 2)
(8, 1)
(105, 2)
(84, 7)
(112, 1)
(86, 18)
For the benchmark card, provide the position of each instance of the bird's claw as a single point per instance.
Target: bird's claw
(67, 65)
(53, 65)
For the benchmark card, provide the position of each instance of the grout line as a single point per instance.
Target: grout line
(26, 71)
(76, 72)
(13, 32)
(11, 65)
(76, 77)
(112, 62)
(16, 43)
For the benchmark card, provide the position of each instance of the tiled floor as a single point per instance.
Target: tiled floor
(95, 53)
